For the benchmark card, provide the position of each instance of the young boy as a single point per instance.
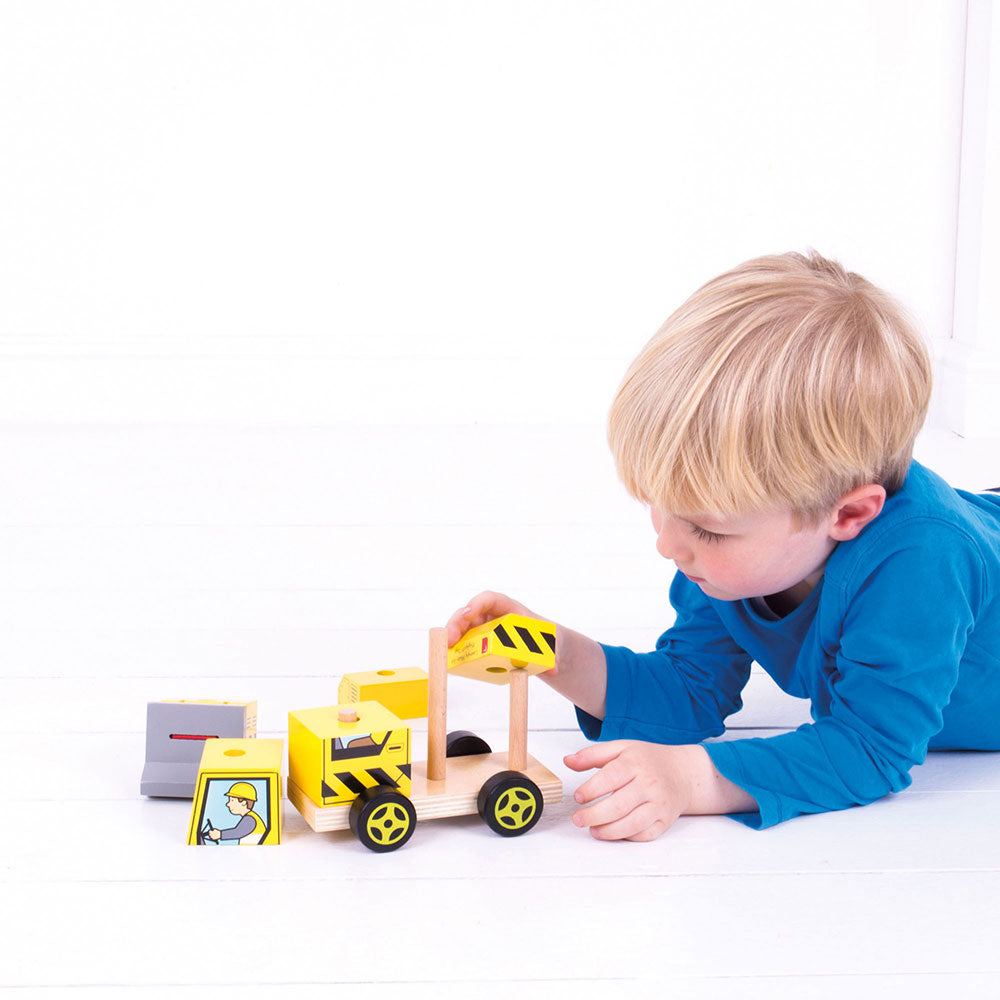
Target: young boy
(769, 426)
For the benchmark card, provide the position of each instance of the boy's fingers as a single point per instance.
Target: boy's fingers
(482, 608)
(650, 832)
(643, 822)
(596, 755)
(607, 810)
(463, 620)
(640, 824)
(608, 779)
(489, 604)
(456, 626)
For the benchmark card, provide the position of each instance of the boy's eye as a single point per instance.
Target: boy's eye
(705, 535)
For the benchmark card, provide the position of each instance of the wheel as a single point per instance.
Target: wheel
(382, 818)
(462, 743)
(510, 803)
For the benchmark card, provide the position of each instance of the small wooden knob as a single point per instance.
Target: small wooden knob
(347, 715)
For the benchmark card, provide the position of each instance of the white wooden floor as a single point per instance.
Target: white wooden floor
(147, 563)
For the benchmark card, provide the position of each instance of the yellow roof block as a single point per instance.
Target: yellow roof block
(489, 652)
(242, 755)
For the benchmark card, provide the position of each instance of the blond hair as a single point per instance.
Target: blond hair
(786, 382)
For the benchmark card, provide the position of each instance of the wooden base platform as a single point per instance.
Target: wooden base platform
(456, 795)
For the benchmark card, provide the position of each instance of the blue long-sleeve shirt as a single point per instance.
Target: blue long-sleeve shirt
(897, 649)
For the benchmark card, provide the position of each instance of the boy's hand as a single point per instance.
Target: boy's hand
(641, 788)
(481, 609)
(581, 671)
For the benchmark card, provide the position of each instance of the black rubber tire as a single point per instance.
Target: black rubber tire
(382, 818)
(510, 803)
(462, 743)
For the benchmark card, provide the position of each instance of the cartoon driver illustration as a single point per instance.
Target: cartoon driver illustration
(250, 828)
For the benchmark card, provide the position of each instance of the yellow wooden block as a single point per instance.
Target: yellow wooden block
(403, 691)
(513, 642)
(237, 795)
(331, 760)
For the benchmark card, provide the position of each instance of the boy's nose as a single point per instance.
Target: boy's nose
(670, 542)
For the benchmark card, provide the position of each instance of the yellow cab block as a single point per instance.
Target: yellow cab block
(403, 692)
(332, 760)
(490, 651)
(237, 795)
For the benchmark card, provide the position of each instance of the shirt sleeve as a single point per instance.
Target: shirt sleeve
(681, 692)
(244, 827)
(905, 627)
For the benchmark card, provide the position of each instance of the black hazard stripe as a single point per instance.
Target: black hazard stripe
(501, 633)
(350, 782)
(378, 776)
(528, 639)
(382, 778)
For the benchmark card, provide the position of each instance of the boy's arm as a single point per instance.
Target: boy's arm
(683, 691)
(680, 693)
(902, 632)
(581, 671)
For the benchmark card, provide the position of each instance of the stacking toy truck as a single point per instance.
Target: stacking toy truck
(349, 765)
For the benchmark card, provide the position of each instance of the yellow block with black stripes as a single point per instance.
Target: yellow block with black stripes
(333, 761)
(489, 652)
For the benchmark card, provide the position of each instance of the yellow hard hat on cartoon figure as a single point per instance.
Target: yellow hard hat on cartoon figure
(243, 790)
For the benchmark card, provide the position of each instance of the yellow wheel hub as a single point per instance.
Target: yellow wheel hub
(388, 824)
(514, 808)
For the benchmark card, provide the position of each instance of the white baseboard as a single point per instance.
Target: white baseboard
(968, 392)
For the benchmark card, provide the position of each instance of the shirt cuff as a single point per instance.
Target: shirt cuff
(727, 762)
(615, 700)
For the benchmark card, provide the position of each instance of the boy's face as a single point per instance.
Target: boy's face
(755, 555)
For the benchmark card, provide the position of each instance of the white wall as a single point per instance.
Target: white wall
(970, 367)
(317, 211)
(310, 312)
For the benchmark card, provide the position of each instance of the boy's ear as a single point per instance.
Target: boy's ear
(856, 510)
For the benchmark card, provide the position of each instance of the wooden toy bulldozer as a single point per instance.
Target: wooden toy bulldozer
(349, 764)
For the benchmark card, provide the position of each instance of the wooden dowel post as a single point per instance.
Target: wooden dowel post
(517, 753)
(437, 704)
